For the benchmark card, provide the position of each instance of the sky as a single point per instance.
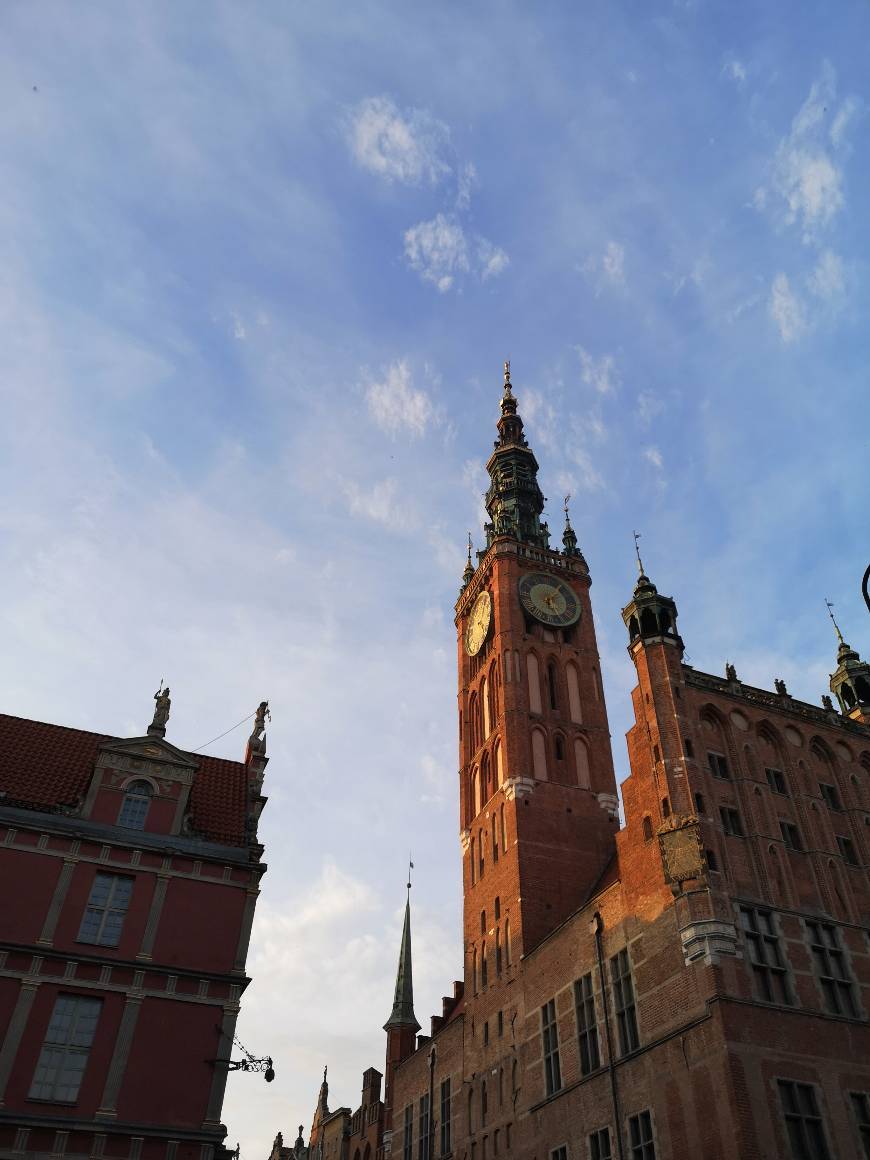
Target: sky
(260, 267)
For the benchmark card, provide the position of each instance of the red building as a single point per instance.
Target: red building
(695, 982)
(130, 873)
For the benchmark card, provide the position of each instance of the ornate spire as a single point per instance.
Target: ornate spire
(649, 615)
(402, 1014)
(514, 501)
(850, 682)
(569, 537)
(469, 567)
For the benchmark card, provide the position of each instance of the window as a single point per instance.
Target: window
(806, 1136)
(776, 781)
(500, 1024)
(719, 765)
(483, 922)
(861, 1111)
(829, 964)
(640, 1137)
(770, 975)
(623, 1002)
(473, 860)
(480, 851)
(829, 793)
(731, 821)
(690, 752)
(484, 969)
(552, 1069)
(494, 838)
(484, 1104)
(104, 914)
(666, 807)
(445, 1117)
(507, 942)
(847, 849)
(559, 1153)
(64, 1054)
(560, 747)
(587, 1025)
(423, 1144)
(551, 684)
(497, 908)
(791, 835)
(647, 828)
(498, 950)
(503, 830)
(712, 860)
(134, 808)
(599, 1145)
(486, 1034)
(699, 803)
(408, 1133)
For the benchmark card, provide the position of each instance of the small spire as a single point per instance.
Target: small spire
(637, 553)
(569, 537)
(469, 567)
(507, 376)
(833, 621)
(565, 505)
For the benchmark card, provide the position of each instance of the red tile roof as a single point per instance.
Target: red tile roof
(43, 766)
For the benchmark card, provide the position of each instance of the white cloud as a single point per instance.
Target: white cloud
(492, 260)
(648, 406)
(396, 405)
(598, 373)
(439, 251)
(786, 309)
(588, 477)
(827, 280)
(613, 263)
(654, 456)
(807, 179)
(465, 182)
(399, 145)
(735, 70)
(382, 503)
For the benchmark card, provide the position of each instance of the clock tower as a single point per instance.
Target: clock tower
(538, 805)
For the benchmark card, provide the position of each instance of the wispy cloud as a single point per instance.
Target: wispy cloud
(786, 309)
(395, 404)
(607, 268)
(382, 503)
(648, 406)
(806, 181)
(599, 373)
(654, 456)
(404, 145)
(441, 251)
(827, 280)
(734, 70)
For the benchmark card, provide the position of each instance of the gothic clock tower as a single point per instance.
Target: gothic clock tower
(538, 806)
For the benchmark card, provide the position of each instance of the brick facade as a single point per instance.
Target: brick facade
(694, 983)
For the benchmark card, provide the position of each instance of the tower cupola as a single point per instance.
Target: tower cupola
(514, 501)
(850, 682)
(649, 615)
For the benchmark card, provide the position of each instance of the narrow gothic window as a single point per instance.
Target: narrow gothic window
(647, 828)
(503, 831)
(623, 1002)
(423, 1146)
(497, 908)
(699, 803)
(484, 979)
(829, 964)
(551, 685)
(498, 950)
(560, 747)
(666, 808)
(690, 749)
(494, 838)
(507, 942)
(445, 1117)
(483, 922)
(587, 1025)
(550, 1036)
(473, 849)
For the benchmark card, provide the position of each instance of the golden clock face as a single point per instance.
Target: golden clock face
(478, 623)
(549, 599)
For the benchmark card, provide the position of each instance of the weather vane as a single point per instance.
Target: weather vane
(565, 505)
(637, 552)
(833, 621)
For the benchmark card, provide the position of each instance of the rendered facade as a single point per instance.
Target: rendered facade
(130, 874)
(693, 983)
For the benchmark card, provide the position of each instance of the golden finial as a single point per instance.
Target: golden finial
(836, 626)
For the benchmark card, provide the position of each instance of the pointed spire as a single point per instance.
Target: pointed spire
(833, 621)
(469, 567)
(402, 1014)
(569, 537)
(514, 501)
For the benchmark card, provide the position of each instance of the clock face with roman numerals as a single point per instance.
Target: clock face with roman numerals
(549, 599)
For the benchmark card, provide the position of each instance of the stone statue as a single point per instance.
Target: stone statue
(730, 672)
(257, 741)
(780, 687)
(161, 708)
(827, 703)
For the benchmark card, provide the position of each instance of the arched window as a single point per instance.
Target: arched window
(498, 950)
(647, 828)
(666, 807)
(483, 1104)
(483, 922)
(573, 679)
(473, 849)
(134, 808)
(633, 629)
(551, 685)
(503, 831)
(492, 698)
(539, 755)
(480, 850)
(559, 747)
(475, 792)
(484, 970)
(472, 722)
(581, 757)
(514, 1076)
(534, 683)
(470, 1110)
(485, 787)
(507, 942)
(497, 905)
(648, 625)
(499, 770)
(474, 971)
(494, 837)
(500, 1086)
(484, 697)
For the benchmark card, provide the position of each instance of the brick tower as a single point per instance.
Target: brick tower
(538, 800)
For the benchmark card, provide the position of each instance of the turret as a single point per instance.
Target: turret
(850, 682)
(514, 501)
(649, 616)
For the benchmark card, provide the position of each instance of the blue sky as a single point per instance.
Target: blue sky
(261, 265)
